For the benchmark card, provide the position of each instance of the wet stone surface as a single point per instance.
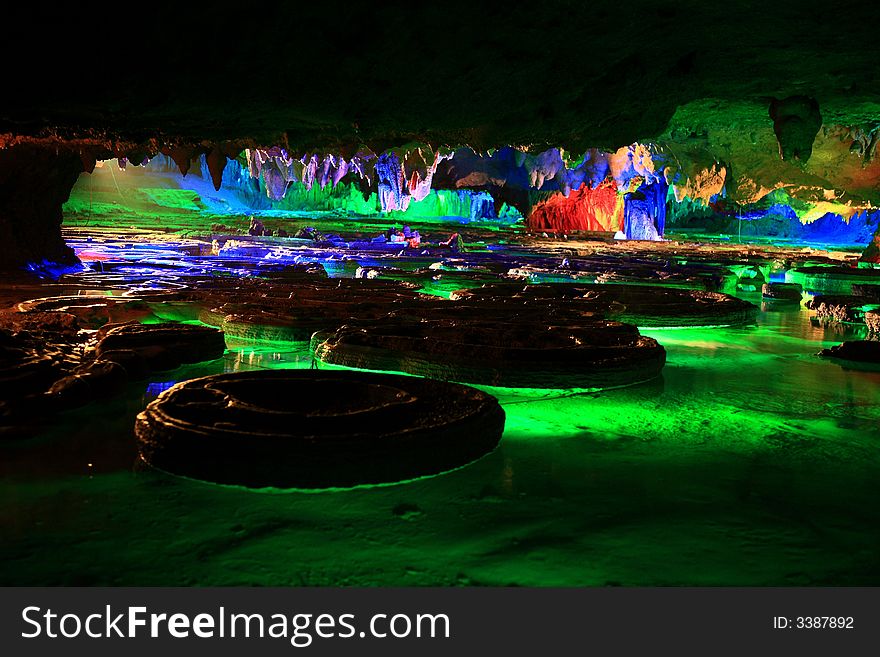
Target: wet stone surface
(726, 469)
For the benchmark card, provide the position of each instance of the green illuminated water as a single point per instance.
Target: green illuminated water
(752, 462)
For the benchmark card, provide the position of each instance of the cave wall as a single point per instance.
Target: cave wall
(34, 183)
(628, 191)
(158, 188)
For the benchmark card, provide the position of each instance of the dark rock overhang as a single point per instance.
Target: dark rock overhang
(575, 75)
(741, 93)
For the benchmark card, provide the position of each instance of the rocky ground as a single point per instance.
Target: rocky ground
(751, 461)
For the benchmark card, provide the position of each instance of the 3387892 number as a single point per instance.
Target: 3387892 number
(824, 622)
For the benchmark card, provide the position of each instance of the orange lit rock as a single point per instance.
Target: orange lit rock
(703, 184)
(586, 208)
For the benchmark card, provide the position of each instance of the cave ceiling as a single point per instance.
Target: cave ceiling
(336, 77)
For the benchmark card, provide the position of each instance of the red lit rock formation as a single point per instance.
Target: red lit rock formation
(586, 208)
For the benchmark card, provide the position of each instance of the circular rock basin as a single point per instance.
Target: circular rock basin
(295, 272)
(500, 311)
(92, 310)
(782, 291)
(642, 305)
(296, 318)
(25, 370)
(278, 310)
(518, 354)
(841, 308)
(868, 291)
(316, 429)
(833, 280)
(162, 346)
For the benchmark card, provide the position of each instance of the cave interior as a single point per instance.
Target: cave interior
(576, 296)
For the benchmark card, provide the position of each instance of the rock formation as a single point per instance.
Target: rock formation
(307, 429)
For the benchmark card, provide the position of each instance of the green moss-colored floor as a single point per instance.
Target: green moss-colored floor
(751, 463)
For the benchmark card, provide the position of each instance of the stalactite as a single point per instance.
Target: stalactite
(216, 161)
